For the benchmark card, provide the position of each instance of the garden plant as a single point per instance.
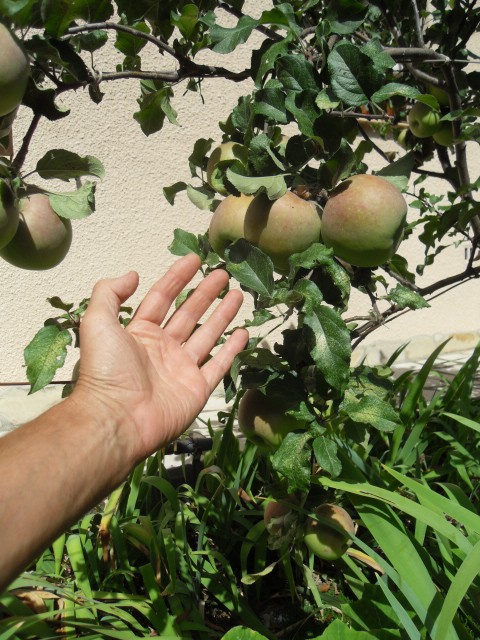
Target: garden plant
(334, 501)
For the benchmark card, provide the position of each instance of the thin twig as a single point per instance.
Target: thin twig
(418, 26)
(22, 152)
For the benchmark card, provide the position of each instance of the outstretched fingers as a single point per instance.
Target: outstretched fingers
(154, 307)
(202, 341)
(218, 366)
(185, 319)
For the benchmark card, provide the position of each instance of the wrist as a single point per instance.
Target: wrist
(109, 425)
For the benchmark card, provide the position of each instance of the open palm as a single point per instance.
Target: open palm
(155, 373)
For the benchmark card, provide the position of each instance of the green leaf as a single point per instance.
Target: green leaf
(325, 450)
(398, 172)
(129, 44)
(65, 165)
(292, 460)
(370, 409)
(329, 341)
(339, 630)
(45, 354)
(74, 205)
(271, 104)
(274, 186)
(296, 73)
(226, 39)
(187, 20)
(395, 89)
(282, 16)
(251, 267)
(242, 633)
(405, 297)
(171, 191)
(346, 16)
(353, 76)
(154, 107)
(185, 242)
(201, 197)
(302, 106)
(263, 59)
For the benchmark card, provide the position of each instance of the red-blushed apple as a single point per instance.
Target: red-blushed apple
(279, 227)
(329, 536)
(225, 153)
(363, 220)
(14, 71)
(42, 239)
(423, 120)
(282, 227)
(263, 419)
(8, 214)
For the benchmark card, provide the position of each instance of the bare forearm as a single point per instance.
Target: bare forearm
(52, 470)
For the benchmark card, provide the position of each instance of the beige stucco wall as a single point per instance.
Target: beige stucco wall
(133, 224)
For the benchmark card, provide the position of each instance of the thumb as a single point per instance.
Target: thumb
(109, 294)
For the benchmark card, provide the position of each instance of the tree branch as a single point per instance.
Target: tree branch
(395, 310)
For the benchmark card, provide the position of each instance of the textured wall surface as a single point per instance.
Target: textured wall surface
(133, 224)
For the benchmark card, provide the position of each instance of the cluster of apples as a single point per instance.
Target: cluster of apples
(32, 235)
(327, 533)
(362, 221)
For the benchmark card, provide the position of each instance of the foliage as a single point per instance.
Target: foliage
(184, 553)
(332, 81)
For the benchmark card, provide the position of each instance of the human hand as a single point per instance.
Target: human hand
(155, 379)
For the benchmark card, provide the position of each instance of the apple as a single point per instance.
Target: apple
(282, 227)
(225, 153)
(278, 516)
(423, 120)
(329, 537)
(264, 421)
(42, 239)
(8, 215)
(440, 94)
(14, 71)
(227, 223)
(444, 136)
(363, 220)
(278, 227)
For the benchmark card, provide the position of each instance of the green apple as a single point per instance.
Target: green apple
(278, 227)
(423, 120)
(227, 223)
(330, 536)
(363, 220)
(263, 419)
(440, 94)
(444, 136)
(42, 239)
(14, 71)
(221, 157)
(9, 216)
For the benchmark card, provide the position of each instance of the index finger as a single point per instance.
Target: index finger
(154, 307)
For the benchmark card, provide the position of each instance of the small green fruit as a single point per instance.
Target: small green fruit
(263, 419)
(329, 537)
(444, 136)
(423, 120)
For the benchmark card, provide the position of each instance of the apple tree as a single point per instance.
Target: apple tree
(298, 216)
